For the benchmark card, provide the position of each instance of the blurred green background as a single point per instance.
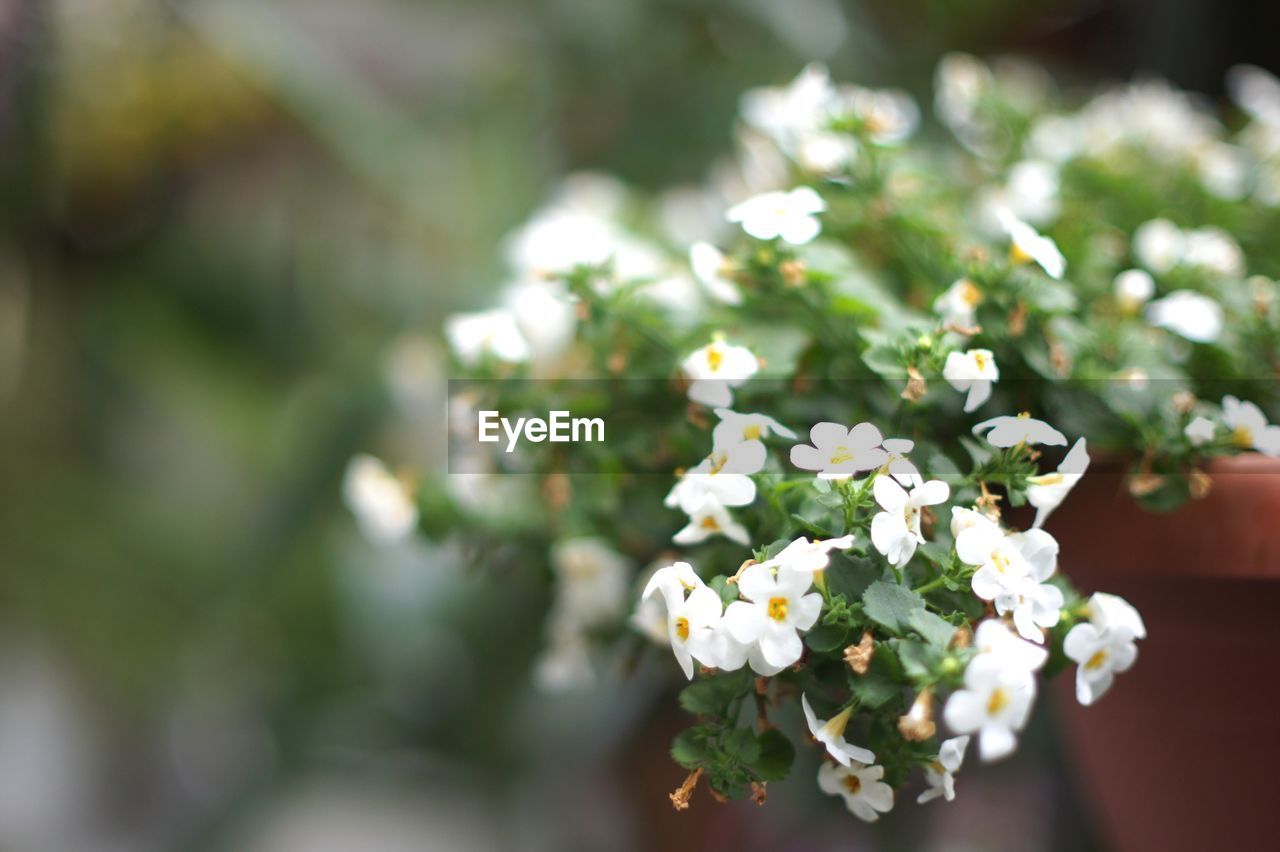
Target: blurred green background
(230, 232)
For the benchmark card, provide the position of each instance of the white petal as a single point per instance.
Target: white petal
(745, 622)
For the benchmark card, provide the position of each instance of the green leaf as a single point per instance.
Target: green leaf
(918, 659)
(890, 605)
(932, 628)
(827, 637)
(711, 696)
(776, 754)
(727, 591)
(873, 689)
(689, 748)
(850, 576)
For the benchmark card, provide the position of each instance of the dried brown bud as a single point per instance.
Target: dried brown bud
(1200, 484)
(859, 656)
(1059, 358)
(557, 490)
(917, 725)
(1145, 482)
(758, 792)
(618, 361)
(793, 272)
(744, 566)
(916, 387)
(1018, 319)
(680, 798)
(963, 637)
(1184, 402)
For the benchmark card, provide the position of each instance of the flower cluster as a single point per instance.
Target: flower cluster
(897, 347)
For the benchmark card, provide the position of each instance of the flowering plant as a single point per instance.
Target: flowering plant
(881, 348)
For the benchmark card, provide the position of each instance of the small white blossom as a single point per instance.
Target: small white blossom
(888, 116)
(1030, 245)
(895, 532)
(790, 216)
(591, 582)
(789, 114)
(1249, 427)
(715, 368)
(735, 428)
(711, 518)
(1214, 250)
(1047, 491)
(1012, 570)
(545, 315)
(1159, 245)
(1133, 288)
(691, 620)
(492, 333)
(777, 606)
(958, 304)
(973, 371)
(1006, 431)
(722, 476)
(864, 793)
(1190, 314)
(1104, 645)
(1200, 431)
(808, 557)
(899, 466)
(830, 733)
(993, 638)
(994, 704)
(940, 774)
(712, 269)
(382, 504)
(838, 453)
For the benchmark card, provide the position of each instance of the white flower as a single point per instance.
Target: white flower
(1249, 427)
(692, 620)
(994, 703)
(1159, 245)
(974, 371)
(775, 609)
(494, 333)
(556, 240)
(1214, 250)
(564, 663)
(382, 504)
(1224, 170)
(788, 114)
(712, 269)
(1133, 288)
(650, 618)
(994, 639)
(864, 794)
(838, 453)
(1047, 491)
(808, 557)
(900, 467)
(711, 518)
(1188, 313)
(715, 368)
(887, 116)
(1200, 431)
(1034, 605)
(940, 774)
(830, 733)
(791, 216)
(1009, 431)
(722, 476)
(591, 582)
(735, 428)
(1103, 646)
(1011, 572)
(545, 315)
(826, 151)
(958, 304)
(895, 532)
(1029, 245)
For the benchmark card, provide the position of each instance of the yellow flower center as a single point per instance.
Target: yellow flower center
(970, 294)
(1242, 437)
(718, 462)
(1017, 254)
(1047, 479)
(709, 523)
(852, 783)
(1001, 562)
(980, 360)
(841, 455)
(1096, 661)
(714, 358)
(998, 701)
(778, 609)
(752, 432)
(682, 628)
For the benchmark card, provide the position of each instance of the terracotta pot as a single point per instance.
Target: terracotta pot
(1182, 753)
